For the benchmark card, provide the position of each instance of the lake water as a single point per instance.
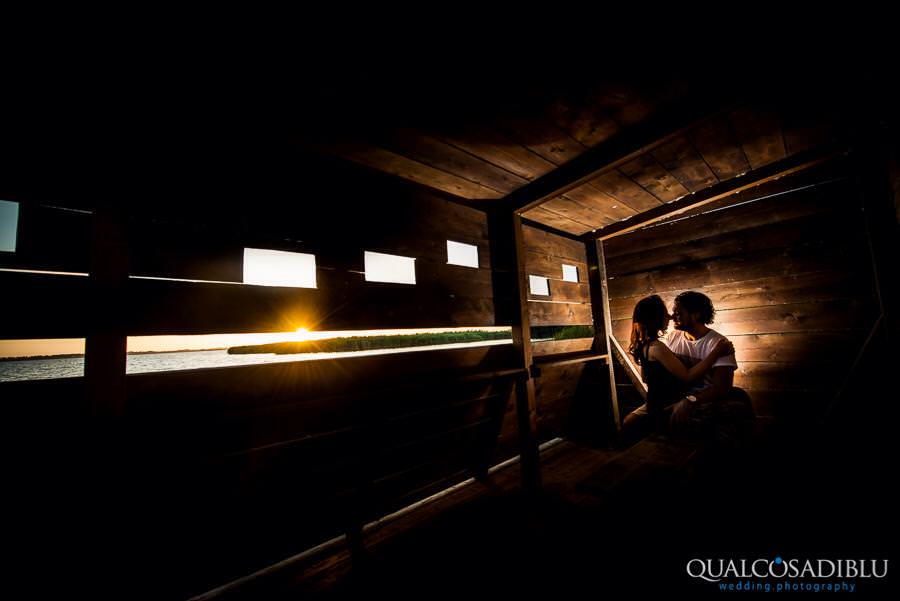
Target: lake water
(66, 367)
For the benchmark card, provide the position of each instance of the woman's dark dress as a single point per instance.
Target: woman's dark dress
(663, 388)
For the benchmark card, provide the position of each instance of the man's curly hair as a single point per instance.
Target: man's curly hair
(696, 302)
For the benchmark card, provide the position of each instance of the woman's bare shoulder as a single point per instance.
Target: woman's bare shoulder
(654, 349)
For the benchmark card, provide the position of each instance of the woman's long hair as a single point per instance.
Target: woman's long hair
(647, 325)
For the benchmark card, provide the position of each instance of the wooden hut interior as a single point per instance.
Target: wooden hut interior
(497, 466)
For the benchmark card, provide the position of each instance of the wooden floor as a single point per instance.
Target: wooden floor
(468, 534)
(606, 520)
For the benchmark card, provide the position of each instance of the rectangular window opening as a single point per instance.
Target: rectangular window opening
(394, 269)
(462, 254)
(540, 286)
(570, 273)
(9, 225)
(41, 359)
(265, 267)
(183, 352)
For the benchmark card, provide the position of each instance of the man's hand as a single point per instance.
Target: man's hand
(723, 348)
(681, 414)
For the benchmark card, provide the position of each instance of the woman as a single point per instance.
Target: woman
(666, 376)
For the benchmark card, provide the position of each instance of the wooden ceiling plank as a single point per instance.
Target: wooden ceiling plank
(624, 103)
(716, 143)
(760, 135)
(444, 157)
(542, 137)
(621, 188)
(667, 124)
(556, 221)
(577, 212)
(681, 159)
(650, 175)
(497, 149)
(598, 201)
(583, 120)
(773, 171)
(400, 166)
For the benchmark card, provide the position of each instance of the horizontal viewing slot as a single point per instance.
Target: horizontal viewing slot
(163, 279)
(41, 359)
(61, 358)
(169, 353)
(42, 272)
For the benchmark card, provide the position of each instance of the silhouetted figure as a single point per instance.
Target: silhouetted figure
(666, 375)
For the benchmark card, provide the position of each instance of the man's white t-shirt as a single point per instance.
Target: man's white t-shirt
(692, 352)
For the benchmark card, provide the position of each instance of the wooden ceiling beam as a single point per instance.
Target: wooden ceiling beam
(618, 150)
(771, 172)
(549, 229)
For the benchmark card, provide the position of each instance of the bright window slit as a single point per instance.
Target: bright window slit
(459, 253)
(9, 225)
(570, 273)
(381, 267)
(266, 267)
(540, 286)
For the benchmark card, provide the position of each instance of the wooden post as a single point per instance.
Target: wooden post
(511, 306)
(600, 311)
(105, 345)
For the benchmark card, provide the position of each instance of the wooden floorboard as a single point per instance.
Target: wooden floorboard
(566, 467)
(612, 523)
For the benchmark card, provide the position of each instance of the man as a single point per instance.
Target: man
(712, 406)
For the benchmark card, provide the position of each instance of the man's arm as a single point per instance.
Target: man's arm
(723, 380)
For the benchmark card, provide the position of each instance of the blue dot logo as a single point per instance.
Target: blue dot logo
(778, 560)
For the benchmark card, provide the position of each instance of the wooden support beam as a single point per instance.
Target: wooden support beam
(619, 149)
(600, 312)
(774, 171)
(511, 282)
(550, 230)
(106, 341)
(619, 354)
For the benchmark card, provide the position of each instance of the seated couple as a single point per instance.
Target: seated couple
(689, 373)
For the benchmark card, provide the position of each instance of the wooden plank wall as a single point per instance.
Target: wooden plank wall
(244, 466)
(561, 389)
(569, 303)
(216, 473)
(789, 275)
(209, 247)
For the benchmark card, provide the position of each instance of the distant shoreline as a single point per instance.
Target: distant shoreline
(76, 355)
(398, 341)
